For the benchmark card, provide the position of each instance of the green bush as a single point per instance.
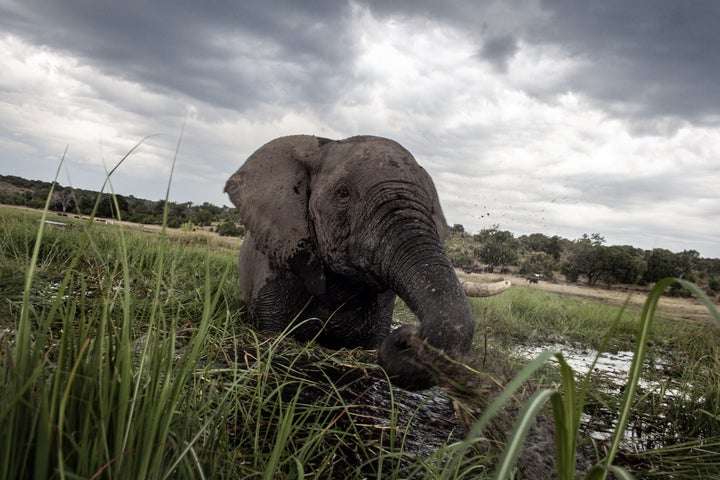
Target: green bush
(229, 229)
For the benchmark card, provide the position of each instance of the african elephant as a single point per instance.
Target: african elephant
(337, 229)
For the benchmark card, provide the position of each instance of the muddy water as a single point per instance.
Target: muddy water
(613, 367)
(610, 376)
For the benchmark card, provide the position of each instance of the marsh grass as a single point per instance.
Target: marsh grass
(115, 366)
(692, 376)
(123, 355)
(80, 399)
(531, 316)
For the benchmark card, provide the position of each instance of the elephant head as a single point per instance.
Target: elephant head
(336, 229)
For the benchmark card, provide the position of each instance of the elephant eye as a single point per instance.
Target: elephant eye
(342, 192)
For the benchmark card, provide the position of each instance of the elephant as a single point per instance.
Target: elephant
(335, 230)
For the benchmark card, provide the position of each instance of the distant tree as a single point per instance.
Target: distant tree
(10, 198)
(688, 261)
(537, 242)
(710, 265)
(85, 202)
(139, 210)
(498, 247)
(229, 229)
(179, 211)
(538, 262)
(533, 242)
(570, 270)
(457, 228)
(63, 199)
(585, 258)
(594, 239)
(158, 207)
(109, 205)
(37, 198)
(554, 247)
(713, 285)
(214, 210)
(660, 263)
(201, 217)
(621, 264)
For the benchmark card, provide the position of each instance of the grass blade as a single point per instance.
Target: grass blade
(451, 470)
(566, 412)
(520, 430)
(646, 321)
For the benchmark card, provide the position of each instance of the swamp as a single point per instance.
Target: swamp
(123, 354)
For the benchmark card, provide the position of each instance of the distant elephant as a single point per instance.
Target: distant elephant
(335, 229)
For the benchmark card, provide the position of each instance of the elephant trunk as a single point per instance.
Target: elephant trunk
(413, 263)
(430, 288)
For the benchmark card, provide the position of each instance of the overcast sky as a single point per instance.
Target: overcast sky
(558, 117)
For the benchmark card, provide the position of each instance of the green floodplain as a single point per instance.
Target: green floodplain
(123, 354)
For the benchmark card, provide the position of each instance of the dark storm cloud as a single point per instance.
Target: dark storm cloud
(499, 50)
(644, 58)
(231, 54)
(641, 59)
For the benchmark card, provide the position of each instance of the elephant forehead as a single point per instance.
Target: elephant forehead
(374, 163)
(363, 162)
(383, 155)
(374, 151)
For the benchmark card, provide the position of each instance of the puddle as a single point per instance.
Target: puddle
(612, 367)
(611, 372)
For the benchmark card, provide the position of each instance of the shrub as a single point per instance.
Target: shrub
(229, 229)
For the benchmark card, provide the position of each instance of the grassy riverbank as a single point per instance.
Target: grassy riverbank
(123, 355)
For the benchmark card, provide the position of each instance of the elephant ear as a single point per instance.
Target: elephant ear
(271, 192)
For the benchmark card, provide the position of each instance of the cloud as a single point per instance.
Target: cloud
(499, 50)
(641, 60)
(555, 117)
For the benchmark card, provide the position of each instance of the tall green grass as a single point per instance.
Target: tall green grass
(94, 362)
(567, 402)
(123, 355)
(125, 368)
(137, 364)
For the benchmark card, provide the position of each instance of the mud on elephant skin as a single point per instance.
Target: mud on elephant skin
(337, 229)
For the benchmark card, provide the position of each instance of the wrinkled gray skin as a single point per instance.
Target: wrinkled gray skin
(335, 229)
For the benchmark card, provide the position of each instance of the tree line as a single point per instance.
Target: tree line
(34, 193)
(587, 259)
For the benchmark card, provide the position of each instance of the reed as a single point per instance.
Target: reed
(123, 355)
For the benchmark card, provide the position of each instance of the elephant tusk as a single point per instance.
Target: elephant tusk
(473, 289)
